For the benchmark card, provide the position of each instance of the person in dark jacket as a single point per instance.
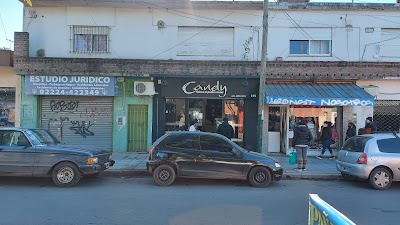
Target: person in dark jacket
(326, 138)
(370, 126)
(302, 136)
(226, 129)
(351, 130)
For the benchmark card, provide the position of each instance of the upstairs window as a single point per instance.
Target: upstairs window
(90, 39)
(310, 47)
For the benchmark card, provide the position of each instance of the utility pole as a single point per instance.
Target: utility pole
(263, 69)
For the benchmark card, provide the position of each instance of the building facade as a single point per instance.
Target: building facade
(168, 63)
(10, 89)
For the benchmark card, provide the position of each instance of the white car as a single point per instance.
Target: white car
(373, 157)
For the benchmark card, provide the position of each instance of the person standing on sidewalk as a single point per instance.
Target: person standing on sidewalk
(301, 139)
(226, 129)
(351, 130)
(370, 126)
(326, 138)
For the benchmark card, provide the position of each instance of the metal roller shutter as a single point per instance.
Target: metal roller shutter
(79, 120)
(387, 115)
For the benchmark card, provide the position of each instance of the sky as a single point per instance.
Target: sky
(11, 14)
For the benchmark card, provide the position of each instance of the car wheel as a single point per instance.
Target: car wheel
(65, 174)
(164, 175)
(92, 175)
(380, 178)
(260, 177)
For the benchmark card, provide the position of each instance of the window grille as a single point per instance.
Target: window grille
(387, 115)
(90, 39)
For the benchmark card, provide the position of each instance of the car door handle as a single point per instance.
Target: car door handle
(202, 156)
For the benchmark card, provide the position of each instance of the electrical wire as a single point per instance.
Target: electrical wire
(5, 33)
(167, 10)
(190, 37)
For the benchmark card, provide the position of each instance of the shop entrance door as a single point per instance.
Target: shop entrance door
(137, 128)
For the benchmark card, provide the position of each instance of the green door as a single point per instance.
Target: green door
(138, 130)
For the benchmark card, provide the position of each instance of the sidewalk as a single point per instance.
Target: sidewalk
(134, 164)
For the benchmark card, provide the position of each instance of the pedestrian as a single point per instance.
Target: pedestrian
(370, 126)
(351, 130)
(335, 135)
(193, 125)
(302, 137)
(311, 127)
(226, 129)
(326, 138)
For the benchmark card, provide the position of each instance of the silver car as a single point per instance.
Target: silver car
(373, 157)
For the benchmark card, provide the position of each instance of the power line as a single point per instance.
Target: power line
(1, 19)
(190, 37)
(203, 17)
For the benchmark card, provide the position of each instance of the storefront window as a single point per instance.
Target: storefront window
(207, 114)
(274, 121)
(7, 107)
(175, 115)
(314, 118)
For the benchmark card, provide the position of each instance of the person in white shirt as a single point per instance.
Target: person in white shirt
(193, 125)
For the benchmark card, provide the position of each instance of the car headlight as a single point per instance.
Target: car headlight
(92, 160)
(277, 165)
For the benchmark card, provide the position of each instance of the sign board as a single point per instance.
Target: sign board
(70, 85)
(275, 100)
(210, 88)
(321, 213)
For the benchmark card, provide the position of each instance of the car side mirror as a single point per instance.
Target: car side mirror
(24, 143)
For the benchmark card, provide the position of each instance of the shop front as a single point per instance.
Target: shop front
(10, 87)
(77, 109)
(205, 102)
(314, 103)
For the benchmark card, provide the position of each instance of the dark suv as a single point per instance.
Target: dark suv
(208, 155)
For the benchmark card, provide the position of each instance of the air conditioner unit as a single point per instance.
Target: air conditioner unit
(143, 88)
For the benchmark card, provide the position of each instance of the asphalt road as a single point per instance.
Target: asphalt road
(107, 200)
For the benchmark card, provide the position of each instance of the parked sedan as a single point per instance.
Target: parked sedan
(374, 157)
(37, 153)
(208, 155)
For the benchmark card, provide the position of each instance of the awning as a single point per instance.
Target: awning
(317, 94)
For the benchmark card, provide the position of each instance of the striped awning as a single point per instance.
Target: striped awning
(317, 94)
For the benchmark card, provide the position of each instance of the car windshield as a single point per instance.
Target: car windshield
(41, 137)
(356, 144)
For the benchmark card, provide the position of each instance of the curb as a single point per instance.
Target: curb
(125, 173)
(291, 176)
(285, 176)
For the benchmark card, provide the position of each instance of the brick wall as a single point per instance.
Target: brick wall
(21, 44)
(281, 70)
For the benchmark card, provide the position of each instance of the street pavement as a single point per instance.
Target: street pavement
(134, 164)
(138, 201)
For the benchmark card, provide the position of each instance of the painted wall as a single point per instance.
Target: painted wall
(9, 79)
(29, 108)
(121, 102)
(355, 35)
(388, 89)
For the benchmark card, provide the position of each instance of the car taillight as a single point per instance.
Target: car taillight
(362, 159)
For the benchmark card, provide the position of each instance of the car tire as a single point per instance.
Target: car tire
(65, 174)
(380, 178)
(164, 175)
(260, 177)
